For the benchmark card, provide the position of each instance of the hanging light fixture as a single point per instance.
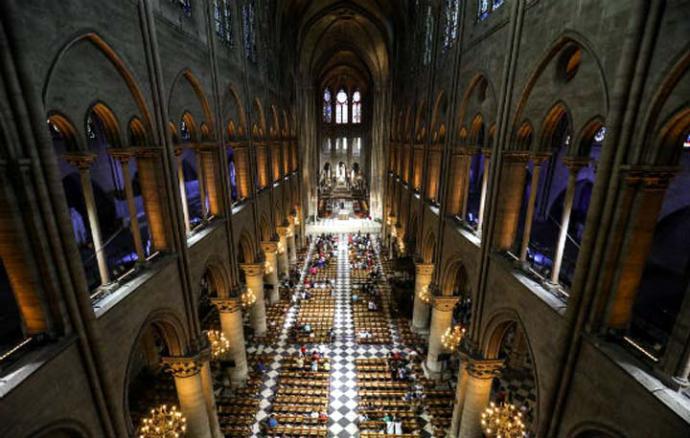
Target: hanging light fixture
(452, 337)
(219, 343)
(268, 267)
(163, 422)
(503, 421)
(248, 298)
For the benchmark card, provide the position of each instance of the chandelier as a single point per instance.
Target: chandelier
(248, 298)
(163, 422)
(452, 337)
(219, 343)
(281, 248)
(268, 267)
(425, 295)
(503, 421)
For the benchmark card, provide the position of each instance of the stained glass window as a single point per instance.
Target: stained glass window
(327, 106)
(357, 147)
(600, 135)
(686, 144)
(222, 16)
(429, 36)
(484, 9)
(357, 107)
(341, 107)
(249, 25)
(185, 5)
(452, 17)
(498, 3)
(184, 132)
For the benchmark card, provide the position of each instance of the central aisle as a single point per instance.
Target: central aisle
(343, 355)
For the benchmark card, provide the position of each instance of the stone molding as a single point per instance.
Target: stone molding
(444, 303)
(227, 305)
(484, 368)
(424, 268)
(252, 269)
(183, 366)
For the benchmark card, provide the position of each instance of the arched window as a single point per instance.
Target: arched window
(357, 107)
(486, 7)
(249, 25)
(341, 107)
(185, 5)
(222, 16)
(327, 106)
(452, 17)
(429, 36)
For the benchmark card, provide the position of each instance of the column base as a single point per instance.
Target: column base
(431, 374)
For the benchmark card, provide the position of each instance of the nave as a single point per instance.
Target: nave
(339, 365)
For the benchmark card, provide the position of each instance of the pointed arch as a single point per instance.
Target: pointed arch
(188, 76)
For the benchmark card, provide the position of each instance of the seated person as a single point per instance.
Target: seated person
(272, 422)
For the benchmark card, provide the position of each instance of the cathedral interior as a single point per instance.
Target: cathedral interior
(345, 218)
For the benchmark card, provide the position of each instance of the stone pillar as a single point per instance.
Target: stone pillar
(230, 311)
(460, 391)
(201, 180)
(485, 186)
(574, 164)
(254, 274)
(242, 171)
(529, 217)
(183, 189)
(208, 164)
(270, 249)
(510, 192)
(480, 374)
(283, 265)
(190, 393)
(292, 246)
(420, 314)
(441, 320)
(456, 192)
(646, 190)
(83, 162)
(123, 157)
(209, 396)
(466, 186)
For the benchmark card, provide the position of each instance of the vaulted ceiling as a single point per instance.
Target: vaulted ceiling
(342, 42)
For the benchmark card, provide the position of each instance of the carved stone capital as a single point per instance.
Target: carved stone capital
(253, 269)
(269, 247)
(121, 154)
(183, 366)
(486, 152)
(650, 178)
(227, 305)
(423, 268)
(81, 160)
(538, 158)
(484, 368)
(444, 303)
(516, 156)
(147, 152)
(283, 231)
(574, 164)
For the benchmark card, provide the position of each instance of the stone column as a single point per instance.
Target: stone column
(230, 311)
(283, 265)
(441, 320)
(292, 247)
(155, 199)
(480, 374)
(190, 393)
(209, 396)
(646, 190)
(460, 391)
(123, 157)
(254, 274)
(420, 314)
(208, 164)
(510, 191)
(270, 249)
(83, 162)
(529, 217)
(466, 185)
(574, 164)
(200, 178)
(485, 185)
(183, 189)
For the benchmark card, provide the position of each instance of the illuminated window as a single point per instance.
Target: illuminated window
(429, 36)
(452, 17)
(357, 107)
(327, 106)
(249, 26)
(357, 147)
(341, 107)
(686, 144)
(486, 7)
(185, 5)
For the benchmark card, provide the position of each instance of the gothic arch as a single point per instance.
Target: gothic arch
(233, 112)
(484, 100)
(66, 428)
(454, 277)
(218, 275)
(246, 248)
(428, 247)
(259, 128)
(115, 60)
(179, 103)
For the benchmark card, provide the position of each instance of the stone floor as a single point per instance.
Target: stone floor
(342, 353)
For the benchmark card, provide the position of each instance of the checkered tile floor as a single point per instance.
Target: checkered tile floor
(342, 410)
